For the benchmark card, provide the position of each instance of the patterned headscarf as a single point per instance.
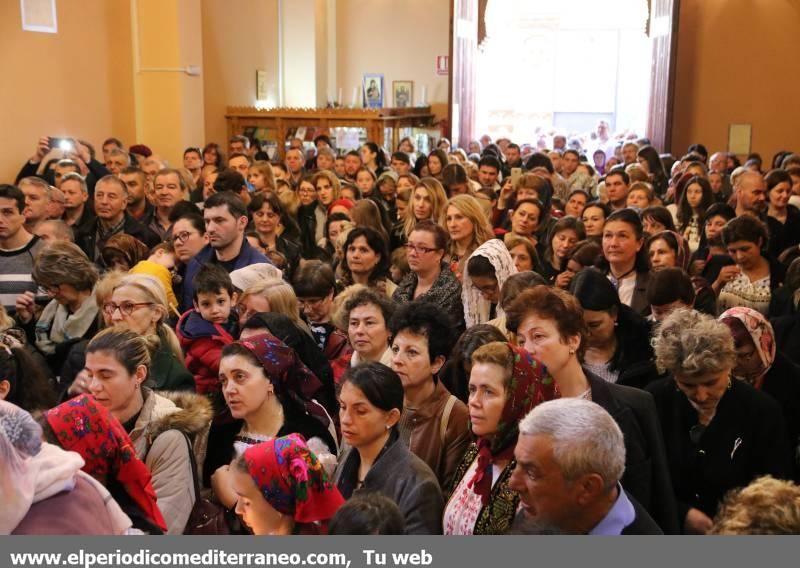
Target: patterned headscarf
(683, 254)
(530, 385)
(476, 309)
(292, 479)
(760, 331)
(288, 374)
(83, 426)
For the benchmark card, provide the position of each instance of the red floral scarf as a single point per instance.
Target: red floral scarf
(530, 385)
(292, 480)
(83, 426)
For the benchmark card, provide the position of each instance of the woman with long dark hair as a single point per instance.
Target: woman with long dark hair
(650, 162)
(373, 157)
(366, 260)
(617, 347)
(371, 404)
(783, 219)
(695, 200)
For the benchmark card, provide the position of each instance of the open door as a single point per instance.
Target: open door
(463, 46)
(663, 29)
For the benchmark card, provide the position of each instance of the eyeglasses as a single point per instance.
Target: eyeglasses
(417, 249)
(311, 303)
(125, 308)
(182, 237)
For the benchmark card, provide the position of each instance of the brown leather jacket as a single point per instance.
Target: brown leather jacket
(421, 429)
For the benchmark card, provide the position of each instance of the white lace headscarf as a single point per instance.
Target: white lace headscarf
(476, 308)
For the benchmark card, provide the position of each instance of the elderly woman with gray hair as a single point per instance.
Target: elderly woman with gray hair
(719, 433)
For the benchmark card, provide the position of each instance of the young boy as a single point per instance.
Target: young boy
(206, 329)
(160, 265)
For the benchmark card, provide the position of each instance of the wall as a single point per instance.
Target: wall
(64, 84)
(736, 65)
(236, 42)
(400, 40)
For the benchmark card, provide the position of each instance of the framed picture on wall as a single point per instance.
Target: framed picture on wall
(372, 88)
(403, 93)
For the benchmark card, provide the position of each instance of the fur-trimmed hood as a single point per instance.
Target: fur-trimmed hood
(183, 411)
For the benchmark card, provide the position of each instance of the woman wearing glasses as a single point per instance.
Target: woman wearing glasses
(69, 277)
(430, 280)
(140, 304)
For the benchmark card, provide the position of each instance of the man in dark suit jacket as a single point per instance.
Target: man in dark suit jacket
(111, 199)
(570, 456)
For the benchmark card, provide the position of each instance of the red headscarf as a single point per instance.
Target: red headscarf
(288, 374)
(530, 385)
(292, 480)
(83, 426)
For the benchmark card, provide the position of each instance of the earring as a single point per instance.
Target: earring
(730, 383)
(388, 427)
(571, 351)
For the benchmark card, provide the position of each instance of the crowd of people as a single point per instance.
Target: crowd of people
(503, 340)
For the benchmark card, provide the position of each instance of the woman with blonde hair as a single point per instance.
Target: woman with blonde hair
(275, 296)
(139, 303)
(428, 201)
(287, 197)
(365, 213)
(468, 229)
(328, 188)
(261, 177)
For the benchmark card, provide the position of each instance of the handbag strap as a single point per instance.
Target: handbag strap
(195, 477)
(448, 408)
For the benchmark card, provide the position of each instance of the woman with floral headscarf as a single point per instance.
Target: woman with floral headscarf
(42, 487)
(270, 393)
(760, 364)
(83, 426)
(505, 384)
(283, 488)
(486, 271)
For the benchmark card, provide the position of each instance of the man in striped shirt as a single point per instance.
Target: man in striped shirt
(18, 248)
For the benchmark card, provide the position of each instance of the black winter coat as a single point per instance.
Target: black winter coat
(745, 439)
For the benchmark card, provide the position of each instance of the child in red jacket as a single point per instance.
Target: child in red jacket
(206, 329)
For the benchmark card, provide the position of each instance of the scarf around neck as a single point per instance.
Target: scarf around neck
(529, 385)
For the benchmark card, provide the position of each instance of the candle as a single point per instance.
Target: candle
(424, 95)
(355, 97)
(339, 99)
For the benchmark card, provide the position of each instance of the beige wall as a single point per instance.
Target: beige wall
(64, 84)
(236, 43)
(399, 39)
(736, 65)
